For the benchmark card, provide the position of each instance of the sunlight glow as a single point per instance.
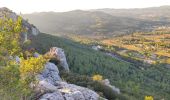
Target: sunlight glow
(29, 6)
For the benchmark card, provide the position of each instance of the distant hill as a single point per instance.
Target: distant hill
(152, 13)
(106, 22)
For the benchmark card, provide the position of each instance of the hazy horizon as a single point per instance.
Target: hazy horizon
(32, 6)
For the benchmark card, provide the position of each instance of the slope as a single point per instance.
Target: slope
(133, 82)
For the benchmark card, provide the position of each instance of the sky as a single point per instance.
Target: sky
(30, 6)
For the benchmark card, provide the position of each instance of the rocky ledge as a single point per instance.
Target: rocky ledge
(50, 86)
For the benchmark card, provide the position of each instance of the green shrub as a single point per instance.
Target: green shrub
(88, 82)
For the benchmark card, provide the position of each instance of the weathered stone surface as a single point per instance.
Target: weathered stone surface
(43, 85)
(35, 31)
(52, 96)
(70, 91)
(68, 97)
(76, 95)
(87, 93)
(49, 80)
(50, 74)
(61, 55)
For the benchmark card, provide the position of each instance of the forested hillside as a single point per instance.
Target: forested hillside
(134, 82)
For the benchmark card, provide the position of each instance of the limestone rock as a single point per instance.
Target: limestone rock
(52, 96)
(44, 86)
(50, 83)
(68, 91)
(87, 93)
(49, 74)
(61, 55)
(76, 95)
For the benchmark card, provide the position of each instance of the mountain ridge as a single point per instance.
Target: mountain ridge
(100, 22)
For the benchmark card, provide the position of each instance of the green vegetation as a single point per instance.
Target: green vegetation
(10, 83)
(151, 47)
(140, 48)
(9, 37)
(98, 86)
(135, 83)
(15, 77)
(89, 67)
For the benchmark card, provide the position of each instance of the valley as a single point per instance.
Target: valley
(130, 47)
(150, 47)
(106, 54)
(101, 22)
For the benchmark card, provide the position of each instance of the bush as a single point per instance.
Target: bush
(15, 78)
(30, 67)
(88, 82)
(11, 87)
(97, 77)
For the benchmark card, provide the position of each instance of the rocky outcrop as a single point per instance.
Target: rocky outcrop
(50, 83)
(52, 87)
(58, 55)
(30, 28)
(62, 58)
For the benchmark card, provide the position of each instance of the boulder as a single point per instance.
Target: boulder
(50, 74)
(52, 96)
(50, 83)
(57, 55)
(62, 58)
